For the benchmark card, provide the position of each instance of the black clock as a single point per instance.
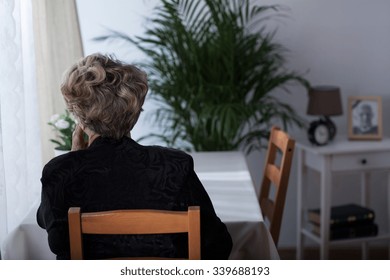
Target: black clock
(321, 132)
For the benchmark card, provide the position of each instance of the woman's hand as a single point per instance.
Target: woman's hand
(78, 141)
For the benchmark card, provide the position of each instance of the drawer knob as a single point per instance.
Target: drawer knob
(363, 161)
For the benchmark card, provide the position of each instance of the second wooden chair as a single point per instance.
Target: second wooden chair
(276, 175)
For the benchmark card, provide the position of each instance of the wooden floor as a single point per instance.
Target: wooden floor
(336, 253)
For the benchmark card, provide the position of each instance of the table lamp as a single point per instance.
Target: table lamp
(324, 101)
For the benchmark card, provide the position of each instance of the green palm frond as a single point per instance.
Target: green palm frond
(215, 65)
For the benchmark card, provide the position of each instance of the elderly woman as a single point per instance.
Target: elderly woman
(111, 171)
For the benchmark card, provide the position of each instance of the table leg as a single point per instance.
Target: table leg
(326, 193)
(365, 198)
(300, 210)
(388, 207)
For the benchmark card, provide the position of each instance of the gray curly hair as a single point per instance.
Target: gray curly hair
(105, 94)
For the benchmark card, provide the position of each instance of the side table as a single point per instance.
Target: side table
(340, 155)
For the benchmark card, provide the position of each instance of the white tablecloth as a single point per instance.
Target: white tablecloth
(226, 178)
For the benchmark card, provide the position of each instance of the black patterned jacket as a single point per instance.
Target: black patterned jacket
(121, 174)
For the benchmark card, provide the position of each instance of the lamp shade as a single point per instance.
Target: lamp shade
(324, 101)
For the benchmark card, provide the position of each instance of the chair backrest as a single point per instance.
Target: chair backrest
(134, 222)
(276, 175)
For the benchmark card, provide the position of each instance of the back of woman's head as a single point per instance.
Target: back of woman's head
(105, 95)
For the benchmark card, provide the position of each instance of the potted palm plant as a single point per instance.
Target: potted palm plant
(214, 66)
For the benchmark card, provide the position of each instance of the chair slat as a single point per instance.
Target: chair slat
(117, 222)
(279, 139)
(273, 174)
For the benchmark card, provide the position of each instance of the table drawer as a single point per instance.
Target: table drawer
(361, 161)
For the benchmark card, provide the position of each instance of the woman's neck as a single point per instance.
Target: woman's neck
(91, 138)
(92, 135)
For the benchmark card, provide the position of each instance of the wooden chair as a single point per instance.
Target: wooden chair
(134, 222)
(276, 175)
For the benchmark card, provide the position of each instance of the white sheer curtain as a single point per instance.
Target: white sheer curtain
(20, 146)
(57, 46)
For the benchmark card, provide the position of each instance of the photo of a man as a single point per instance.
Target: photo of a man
(365, 118)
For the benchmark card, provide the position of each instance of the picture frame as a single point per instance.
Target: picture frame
(365, 117)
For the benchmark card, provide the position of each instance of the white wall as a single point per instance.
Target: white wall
(344, 43)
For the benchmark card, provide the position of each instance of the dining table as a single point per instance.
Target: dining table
(227, 180)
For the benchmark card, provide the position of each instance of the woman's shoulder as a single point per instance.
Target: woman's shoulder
(61, 164)
(170, 156)
(170, 152)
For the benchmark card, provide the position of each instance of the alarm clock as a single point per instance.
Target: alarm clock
(321, 132)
